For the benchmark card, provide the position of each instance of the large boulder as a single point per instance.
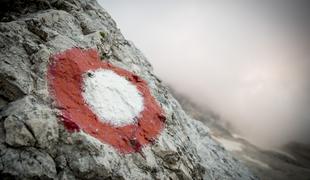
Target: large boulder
(34, 144)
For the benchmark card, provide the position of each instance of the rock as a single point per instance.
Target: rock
(36, 145)
(64, 175)
(17, 133)
(43, 124)
(212, 155)
(282, 163)
(28, 163)
(18, 107)
(28, 123)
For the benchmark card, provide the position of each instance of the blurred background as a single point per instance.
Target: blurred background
(246, 61)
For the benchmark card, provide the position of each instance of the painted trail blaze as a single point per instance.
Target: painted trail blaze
(69, 76)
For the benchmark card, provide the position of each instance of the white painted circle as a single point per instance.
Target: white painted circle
(111, 97)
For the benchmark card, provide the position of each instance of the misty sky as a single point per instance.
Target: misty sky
(246, 60)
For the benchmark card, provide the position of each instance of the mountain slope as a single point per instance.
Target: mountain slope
(34, 143)
(289, 162)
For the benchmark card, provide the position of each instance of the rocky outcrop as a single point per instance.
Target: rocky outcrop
(33, 141)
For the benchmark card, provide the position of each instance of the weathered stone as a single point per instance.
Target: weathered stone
(43, 125)
(65, 175)
(28, 37)
(18, 107)
(28, 122)
(28, 164)
(9, 90)
(16, 132)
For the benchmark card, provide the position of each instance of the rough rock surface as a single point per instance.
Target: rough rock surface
(33, 142)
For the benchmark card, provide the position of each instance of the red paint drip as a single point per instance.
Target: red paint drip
(65, 82)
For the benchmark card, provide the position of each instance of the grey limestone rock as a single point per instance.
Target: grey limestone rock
(35, 145)
(16, 132)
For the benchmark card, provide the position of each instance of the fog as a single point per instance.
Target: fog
(246, 60)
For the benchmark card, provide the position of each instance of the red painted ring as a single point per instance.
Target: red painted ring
(65, 85)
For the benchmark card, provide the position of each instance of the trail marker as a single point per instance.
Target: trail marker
(107, 102)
